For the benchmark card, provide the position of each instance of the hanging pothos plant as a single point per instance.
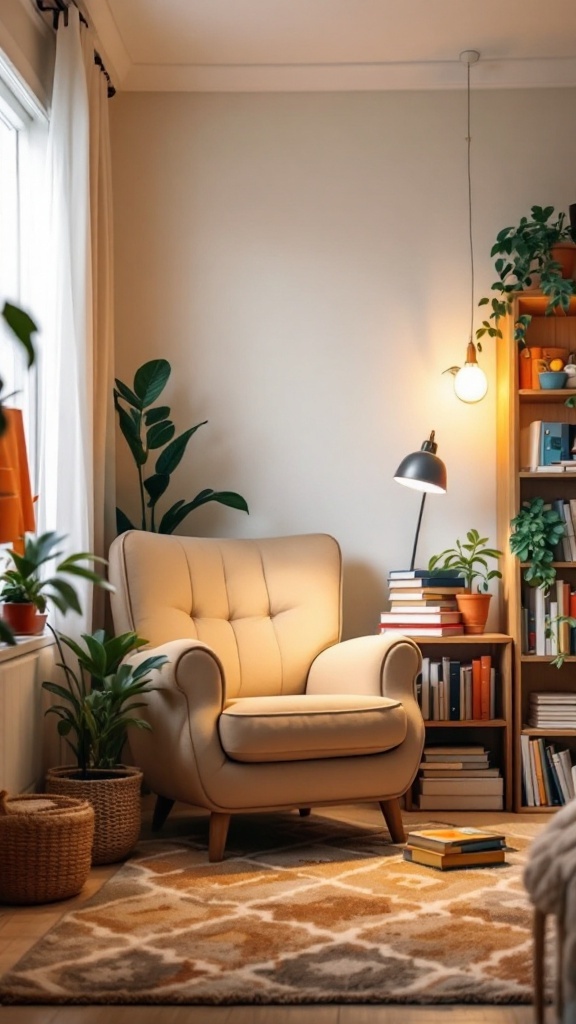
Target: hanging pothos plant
(150, 434)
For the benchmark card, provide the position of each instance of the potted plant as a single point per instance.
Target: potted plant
(533, 252)
(536, 531)
(147, 429)
(470, 560)
(100, 694)
(25, 592)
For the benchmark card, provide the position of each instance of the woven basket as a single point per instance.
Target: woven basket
(115, 796)
(45, 847)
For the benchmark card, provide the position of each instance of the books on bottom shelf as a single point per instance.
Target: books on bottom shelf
(446, 848)
(459, 778)
(451, 690)
(548, 775)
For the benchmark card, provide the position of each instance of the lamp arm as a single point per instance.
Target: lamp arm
(417, 530)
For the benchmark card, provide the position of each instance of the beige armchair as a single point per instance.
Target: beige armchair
(261, 707)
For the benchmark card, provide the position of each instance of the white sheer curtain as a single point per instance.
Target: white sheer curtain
(77, 425)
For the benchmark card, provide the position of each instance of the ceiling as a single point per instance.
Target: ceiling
(295, 45)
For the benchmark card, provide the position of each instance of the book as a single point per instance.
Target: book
(476, 690)
(437, 771)
(410, 574)
(453, 766)
(414, 630)
(454, 690)
(427, 606)
(485, 667)
(435, 802)
(444, 752)
(459, 786)
(526, 770)
(454, 582)
(444, 862)
(423, 618)
(452, 838)
(425, 688)
(426, 594)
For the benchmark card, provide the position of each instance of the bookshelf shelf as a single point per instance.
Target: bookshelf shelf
(494, 733)
(517, 408)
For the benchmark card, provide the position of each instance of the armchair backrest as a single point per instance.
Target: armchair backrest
(266, 607)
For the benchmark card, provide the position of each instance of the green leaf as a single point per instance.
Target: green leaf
(122, 522)
(161, 412)
(150, 380)
(156, 486)
(131, 435)
(125, 392)
(22, 326)
(171, 456)
(160, 434)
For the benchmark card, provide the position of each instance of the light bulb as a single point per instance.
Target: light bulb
(470, 383)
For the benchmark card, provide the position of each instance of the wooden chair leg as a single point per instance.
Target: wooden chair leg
(538, 930)
(161, 812)
(217, 836)
(304, 811)
(393, 818)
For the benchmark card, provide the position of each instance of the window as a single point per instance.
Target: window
(23, 129)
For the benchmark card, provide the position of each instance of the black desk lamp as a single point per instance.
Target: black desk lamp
(423, 471)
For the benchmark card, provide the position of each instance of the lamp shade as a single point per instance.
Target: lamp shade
(423, 470)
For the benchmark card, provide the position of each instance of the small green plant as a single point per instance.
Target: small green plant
(536, 531)
(470, 560)
(551, 631)
(100, 695)
(147, 429)
(522, 252)
(24, 583)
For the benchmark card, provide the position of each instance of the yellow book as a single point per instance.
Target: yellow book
(443, 861)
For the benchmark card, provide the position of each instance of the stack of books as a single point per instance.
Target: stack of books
(552, 711)
(446, 848)
(459, 778)
(423, 603)
(452, 690)
(548, 775)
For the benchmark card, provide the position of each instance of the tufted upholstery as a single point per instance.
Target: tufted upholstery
(261, 706)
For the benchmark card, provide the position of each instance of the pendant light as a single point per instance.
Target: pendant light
(470, 383)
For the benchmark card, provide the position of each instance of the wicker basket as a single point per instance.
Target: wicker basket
(45, 847)
(115, 796)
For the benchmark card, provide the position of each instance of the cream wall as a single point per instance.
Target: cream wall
(302, 261)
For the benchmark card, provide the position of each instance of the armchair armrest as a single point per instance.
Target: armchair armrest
(384, 665)
(182, 709)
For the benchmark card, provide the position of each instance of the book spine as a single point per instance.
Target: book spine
(454, 691)
(485, 667)
(476, 690)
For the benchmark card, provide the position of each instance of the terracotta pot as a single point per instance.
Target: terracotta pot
(565, 254)
(474, 610)
(115, 796)
(24, 619)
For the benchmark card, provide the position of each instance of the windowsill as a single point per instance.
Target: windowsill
(25, 645)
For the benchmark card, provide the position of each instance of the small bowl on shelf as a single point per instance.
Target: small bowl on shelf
(552, 379)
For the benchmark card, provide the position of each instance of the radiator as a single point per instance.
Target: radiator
(24, 737)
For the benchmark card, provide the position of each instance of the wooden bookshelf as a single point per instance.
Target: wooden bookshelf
(516, 408)
(494, 733)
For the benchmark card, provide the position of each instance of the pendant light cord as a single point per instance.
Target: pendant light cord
(469, 141)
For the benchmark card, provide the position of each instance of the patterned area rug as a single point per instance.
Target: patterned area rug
(330, 913)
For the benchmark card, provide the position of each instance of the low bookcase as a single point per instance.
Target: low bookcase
(494, 733)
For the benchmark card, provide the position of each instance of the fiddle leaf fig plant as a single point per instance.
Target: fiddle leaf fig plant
(470, 560)
(536, 531)
(150, 434)
(521, 252)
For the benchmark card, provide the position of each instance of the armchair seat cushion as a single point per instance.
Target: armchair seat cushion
(299, 727)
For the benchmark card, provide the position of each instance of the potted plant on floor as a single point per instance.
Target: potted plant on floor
(470, 560)
(100, 694)
(538, 252)
(25, 593)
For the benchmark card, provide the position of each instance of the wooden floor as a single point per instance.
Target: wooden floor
(21, 927)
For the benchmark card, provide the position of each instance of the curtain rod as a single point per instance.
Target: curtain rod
(58, 7)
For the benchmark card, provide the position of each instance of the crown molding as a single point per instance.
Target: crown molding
(487, 74)
(110, 44)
